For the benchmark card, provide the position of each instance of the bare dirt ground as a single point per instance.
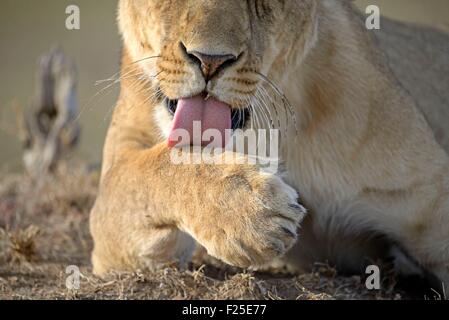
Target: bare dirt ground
(44, 229)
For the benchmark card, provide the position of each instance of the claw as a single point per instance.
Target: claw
(289, 232)
(297, 207)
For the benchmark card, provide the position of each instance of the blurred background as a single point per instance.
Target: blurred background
(30, 28)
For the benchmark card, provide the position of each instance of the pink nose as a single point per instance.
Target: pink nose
(212, 64)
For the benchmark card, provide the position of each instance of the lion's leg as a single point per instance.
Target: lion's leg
(426, 240)
(418, 221)
(238, 213)
(428, 251)
(158, 247)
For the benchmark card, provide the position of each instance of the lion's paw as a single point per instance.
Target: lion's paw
(255, 220)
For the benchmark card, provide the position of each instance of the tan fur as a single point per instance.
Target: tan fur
(361, 155)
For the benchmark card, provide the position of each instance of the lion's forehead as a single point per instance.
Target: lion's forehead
(197, 17)
(171, 12)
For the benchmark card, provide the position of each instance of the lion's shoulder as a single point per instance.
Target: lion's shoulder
(419, 58)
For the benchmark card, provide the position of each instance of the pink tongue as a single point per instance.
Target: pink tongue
(210, 113)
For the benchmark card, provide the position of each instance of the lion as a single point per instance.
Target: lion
(356, 152)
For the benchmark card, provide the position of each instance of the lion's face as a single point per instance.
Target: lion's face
(215, 49)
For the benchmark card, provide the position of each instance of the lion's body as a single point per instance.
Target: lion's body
(361, 156)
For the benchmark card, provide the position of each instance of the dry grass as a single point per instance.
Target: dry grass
(20, 246)
(45, 229)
